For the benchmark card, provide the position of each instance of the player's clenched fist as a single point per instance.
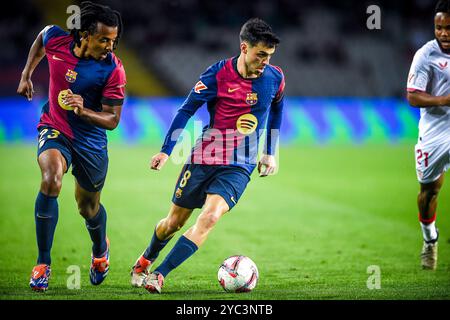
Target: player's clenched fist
(26, 88)
(74, 101)
(158, 161)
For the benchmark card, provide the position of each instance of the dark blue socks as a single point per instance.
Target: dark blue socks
(97, 230)
(155, 246)
(46, 218)
(183, 249)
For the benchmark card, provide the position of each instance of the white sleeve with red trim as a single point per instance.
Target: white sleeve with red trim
(420, 71)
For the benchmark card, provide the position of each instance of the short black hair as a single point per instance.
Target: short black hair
(92, 13)
(442, 6)
(256, 30)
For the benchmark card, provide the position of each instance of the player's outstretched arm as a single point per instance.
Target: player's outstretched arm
(267, 164)
(158, 161)
(423, 100)
(35, 55)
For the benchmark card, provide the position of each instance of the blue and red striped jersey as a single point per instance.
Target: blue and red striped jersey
(240, 109)
(97, 81)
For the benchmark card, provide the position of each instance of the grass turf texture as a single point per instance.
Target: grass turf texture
(313, 229)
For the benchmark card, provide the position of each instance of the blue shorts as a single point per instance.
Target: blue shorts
(87, 167)
(196, 181)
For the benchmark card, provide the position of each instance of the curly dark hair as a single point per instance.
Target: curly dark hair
(91, 14)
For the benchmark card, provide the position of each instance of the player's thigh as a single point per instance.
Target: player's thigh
(189, 190)
(53, 156)
(431, 163)
(88, 201)
(90, 169)
(52, 162)
(228, 183)
(215, 207)
(216, 204)
(433, 187)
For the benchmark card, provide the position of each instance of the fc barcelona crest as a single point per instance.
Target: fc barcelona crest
(71, 76)
(252, 98)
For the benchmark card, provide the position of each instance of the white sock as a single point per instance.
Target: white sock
(429, 231)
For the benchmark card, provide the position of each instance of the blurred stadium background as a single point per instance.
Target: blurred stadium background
(346, 184)
(326, 52)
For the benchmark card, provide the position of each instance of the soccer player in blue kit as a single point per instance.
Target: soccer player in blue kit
(86, 94)
(242, 94)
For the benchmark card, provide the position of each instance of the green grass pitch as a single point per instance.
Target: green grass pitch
(313, 229)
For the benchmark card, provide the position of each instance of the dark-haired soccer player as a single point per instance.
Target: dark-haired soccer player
(428, 88)
(241, 93)
(86, 94)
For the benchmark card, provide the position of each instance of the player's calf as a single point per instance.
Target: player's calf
(169, 226)
(205, 223)
(427, 202)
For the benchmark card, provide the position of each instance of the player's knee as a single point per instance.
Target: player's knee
(51, 184)
(209, 218)
(87, 209)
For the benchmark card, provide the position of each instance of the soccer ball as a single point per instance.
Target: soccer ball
(238, 274)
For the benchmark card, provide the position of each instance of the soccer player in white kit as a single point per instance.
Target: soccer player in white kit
(429, 88)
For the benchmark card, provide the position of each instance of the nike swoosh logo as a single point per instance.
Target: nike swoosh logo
(232, 199)
(93, 228)
(42, 217)
(97, 185)
(56, 58)
(233, 90)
